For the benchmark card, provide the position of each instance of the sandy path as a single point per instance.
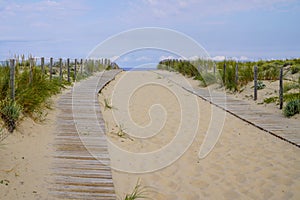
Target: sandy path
(26, 159)
(246, 163)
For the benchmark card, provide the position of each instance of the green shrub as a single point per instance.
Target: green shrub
(288, 86)
(291, 96)
(4, 82)
(246, 74)
(268, 71)
(10, 112)
(206, 79)
(182, 66)
(292, 108)
(230, 78)
(295, 69)
(286, 98)
(209, 78)
(260, 85)
(271, 100)
(32, 92)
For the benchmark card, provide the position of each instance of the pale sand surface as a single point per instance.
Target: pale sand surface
(26, 159)
(246, 163)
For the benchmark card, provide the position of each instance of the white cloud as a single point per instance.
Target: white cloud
(219, 58)
(194, 58)
(243, 58)
(166, 58)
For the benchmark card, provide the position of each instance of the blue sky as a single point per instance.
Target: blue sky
(255, 29)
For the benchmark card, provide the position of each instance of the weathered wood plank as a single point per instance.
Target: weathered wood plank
(77, 173)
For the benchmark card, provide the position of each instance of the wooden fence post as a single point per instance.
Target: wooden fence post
(255, 83)
(60, 69)
(17, 60)
(75, 69)
(236, 73)
(68, 68)
(214, 68)
(42, 65)
(224, 73)
(12, 79)
(50, 68)
(81, 63)
(281, 88)
(94, 64)
(30, 69)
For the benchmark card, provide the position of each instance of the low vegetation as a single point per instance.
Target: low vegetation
(292, 108)
(225, 74)
(33, 88)
(139, 192)
(10, 112)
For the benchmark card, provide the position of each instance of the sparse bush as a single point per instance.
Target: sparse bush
(292, 108)
(230, 78)
(245, 74)
(10, 112)
(209, 79)
(289, 86)
(260, 85)
(268, 71)
(286, 97)
(182, 66)
(295, 69)
(271, 100)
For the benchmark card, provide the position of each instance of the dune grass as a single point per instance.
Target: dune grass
(107, 105)
(139, 192)
(33, 89)
(203, 71)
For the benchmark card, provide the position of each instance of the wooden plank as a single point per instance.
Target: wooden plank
(78, 174)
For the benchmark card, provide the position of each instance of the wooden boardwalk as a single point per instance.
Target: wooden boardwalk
(277, 125)
(81, 168)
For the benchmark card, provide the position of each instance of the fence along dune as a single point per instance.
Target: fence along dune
(27, 84)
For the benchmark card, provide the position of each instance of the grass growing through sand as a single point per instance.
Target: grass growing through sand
(139, 192)
(107, 105)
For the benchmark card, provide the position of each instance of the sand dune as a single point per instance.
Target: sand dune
(160, 146)
(26, 158)
(246, 163)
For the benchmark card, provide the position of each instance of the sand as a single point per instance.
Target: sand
(26, 159)
(245, 163)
